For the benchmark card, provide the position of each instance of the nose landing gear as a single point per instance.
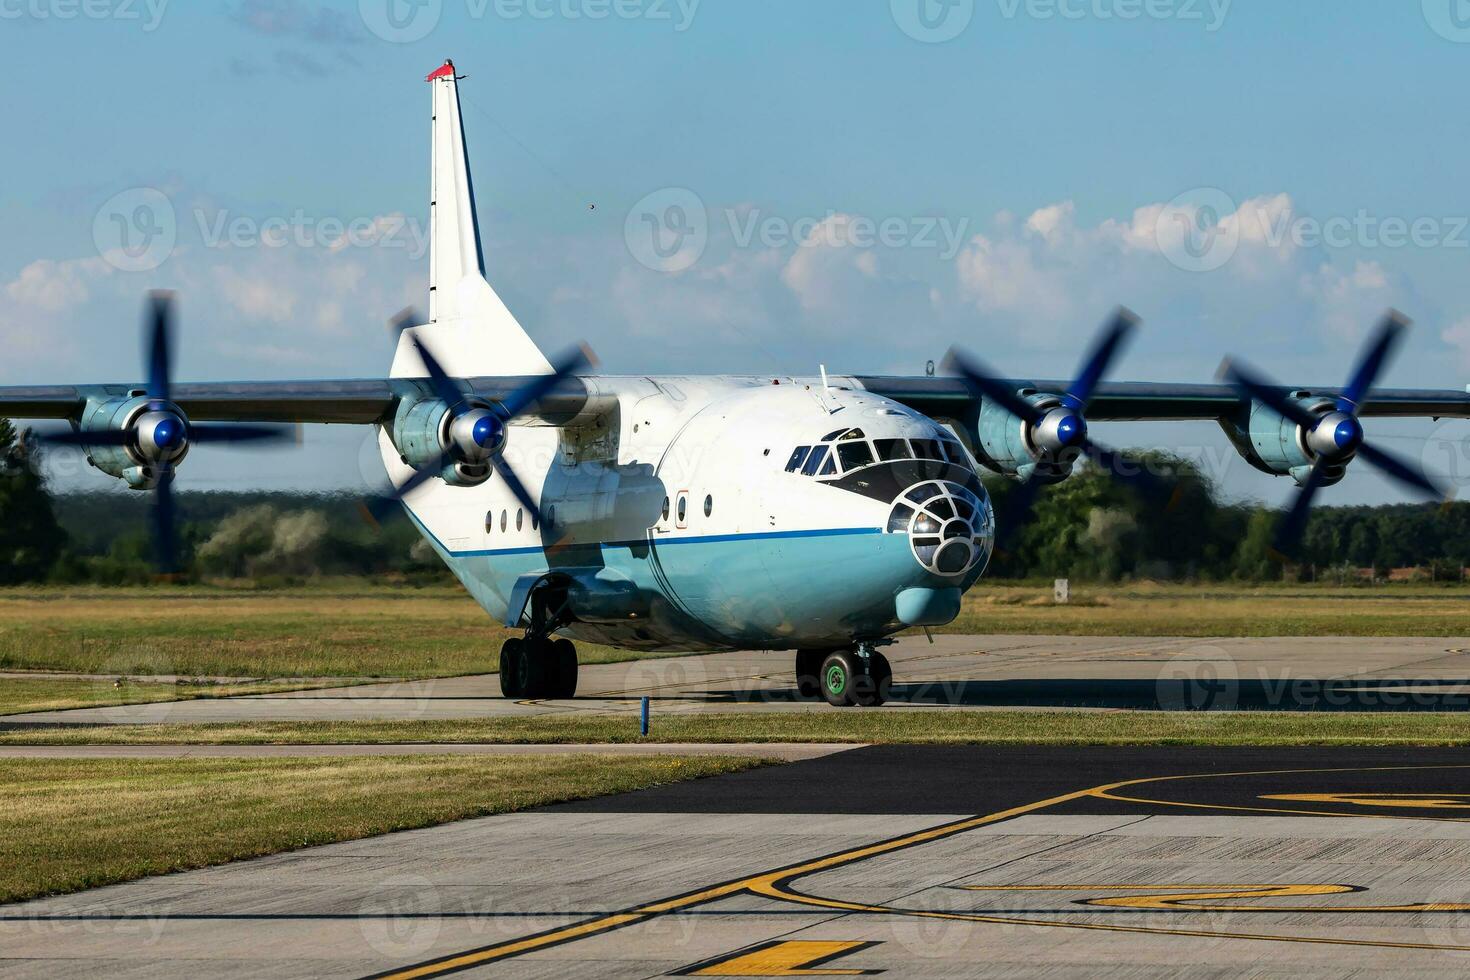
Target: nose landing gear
(859, 677)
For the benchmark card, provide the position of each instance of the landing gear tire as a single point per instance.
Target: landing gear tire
(563, 663)
(870, 689)
(808, 671)
(512, 670)
(839, 672)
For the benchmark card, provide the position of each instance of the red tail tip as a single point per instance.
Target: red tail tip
(446, 69)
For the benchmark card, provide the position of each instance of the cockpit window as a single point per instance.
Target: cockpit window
(889, 449)
(831, 468)
(927, 449)
(956, 452)
(833, 435)
(798, 456)
(854, 455)
(814, 461)
(852, 434)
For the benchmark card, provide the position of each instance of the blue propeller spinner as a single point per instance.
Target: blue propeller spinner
(1059, 431)
(477, 429)
(161, 434)
(1335, 437)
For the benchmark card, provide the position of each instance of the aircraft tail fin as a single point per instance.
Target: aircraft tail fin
(469, 326)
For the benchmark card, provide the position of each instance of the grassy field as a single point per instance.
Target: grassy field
(66, 825)
(339, 630)
(20, 694)
(1149, 609)
(875, 726)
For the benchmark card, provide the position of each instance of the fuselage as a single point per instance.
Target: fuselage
(708, 512)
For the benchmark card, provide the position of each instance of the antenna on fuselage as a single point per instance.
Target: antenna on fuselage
(826, 389)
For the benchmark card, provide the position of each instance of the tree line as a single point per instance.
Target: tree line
(1089, 528)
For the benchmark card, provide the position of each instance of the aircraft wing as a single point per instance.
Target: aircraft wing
(350, 402)
(1149, 401)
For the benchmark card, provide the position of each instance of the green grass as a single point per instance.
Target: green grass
(22, 694)
(882, 725)
(1152, 609)
(335, 630)
(66, 825)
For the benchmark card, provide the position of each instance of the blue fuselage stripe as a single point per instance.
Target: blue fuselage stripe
(661, 540)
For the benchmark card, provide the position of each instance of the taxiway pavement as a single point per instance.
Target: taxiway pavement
(1044, 672)
(919, 861)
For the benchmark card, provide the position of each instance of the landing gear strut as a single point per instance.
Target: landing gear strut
(858, 677)
(540, 666)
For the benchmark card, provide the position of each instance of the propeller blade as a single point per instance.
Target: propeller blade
(982, 378)
(108, 438)
(1259, 390)
(1294, 525)
(508, 474)
(160, 346)
(444, 387)
(1101, 357)
(1399, 470)
(1375, 355)
(165, 539)
(245, 433)
(522, 398)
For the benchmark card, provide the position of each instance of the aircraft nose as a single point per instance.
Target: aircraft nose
(951, 529)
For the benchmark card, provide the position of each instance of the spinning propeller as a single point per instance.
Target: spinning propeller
(1335, 437)
(477, 429)
(160, 435)
(1058, 433)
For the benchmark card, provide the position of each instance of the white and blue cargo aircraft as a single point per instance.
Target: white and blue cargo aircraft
(816, 515)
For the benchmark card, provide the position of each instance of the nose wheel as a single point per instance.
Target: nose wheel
(847, 679)
(538, 667)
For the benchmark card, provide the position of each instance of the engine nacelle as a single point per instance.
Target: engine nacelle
(157, 438)
(1277, 445)
(1045, 451)
(460, 444)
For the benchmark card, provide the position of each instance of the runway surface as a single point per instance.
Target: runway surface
(914, 861)
(1336, 673)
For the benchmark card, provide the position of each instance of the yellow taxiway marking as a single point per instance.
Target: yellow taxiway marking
(1427, 801)
(792, 958)
(1189, 897)
(777, 884)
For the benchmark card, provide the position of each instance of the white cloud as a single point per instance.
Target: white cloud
(51, 286)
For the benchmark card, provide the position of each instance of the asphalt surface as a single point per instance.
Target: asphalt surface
(1026, 672)
(912, 860)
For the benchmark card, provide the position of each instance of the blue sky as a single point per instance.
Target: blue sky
(1025, 168)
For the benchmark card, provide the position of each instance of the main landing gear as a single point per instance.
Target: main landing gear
(858, 677)
(538, 667)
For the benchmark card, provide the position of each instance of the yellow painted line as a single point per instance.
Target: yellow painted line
(792, 958)
(775, 884)
(1426, 801)
(1189, 897)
